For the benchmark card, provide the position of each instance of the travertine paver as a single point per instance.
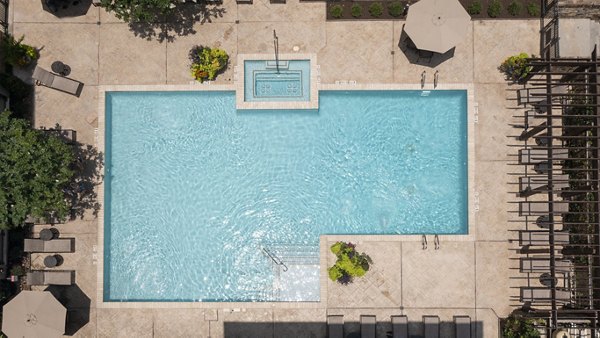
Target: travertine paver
(443, 278)
(470, 277)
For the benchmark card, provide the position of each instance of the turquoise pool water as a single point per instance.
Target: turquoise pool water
(195, 191)
(264, 81)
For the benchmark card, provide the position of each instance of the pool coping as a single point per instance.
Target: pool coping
(472, 120)
(239, 74)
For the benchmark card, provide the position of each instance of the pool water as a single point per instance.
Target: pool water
(265, 81)
(195, 191)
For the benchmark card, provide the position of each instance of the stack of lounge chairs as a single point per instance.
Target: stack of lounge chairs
(49, 277)
(368, 326)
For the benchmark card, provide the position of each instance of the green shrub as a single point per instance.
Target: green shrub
(533, 9)
(349, 263)
(520, 327)
(514, 8)
(396, 9)
(336, 11)
(474, 8)
(356, 10)
(494, 9)
(207, 62)
(17, 270)
(515, 67)
(376, 9)
(19, 92)
(16, 53)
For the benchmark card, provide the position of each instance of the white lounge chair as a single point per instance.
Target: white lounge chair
(543, 295)
(399, 326)
(537, 155)
(533, 183)
(50, 277)
(532, 264)
(462, 326)
(54, 81)
(527, 208)
(542, 238)
(431, 326)
(335, 326)
(54, 245)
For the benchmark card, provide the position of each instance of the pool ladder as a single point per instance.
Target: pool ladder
(275, 259)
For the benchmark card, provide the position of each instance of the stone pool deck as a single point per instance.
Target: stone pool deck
(471, 277)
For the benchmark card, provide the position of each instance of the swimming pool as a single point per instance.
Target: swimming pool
(195, 191)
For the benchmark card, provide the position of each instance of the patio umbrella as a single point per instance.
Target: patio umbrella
(437, 25)
(66, 8)
(34, 314)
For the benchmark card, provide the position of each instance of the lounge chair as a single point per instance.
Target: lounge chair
(537, 183)
(368, 326)
(50, 277)
(542, 238)
(532, 264)
(54, 81)
(543, 295)
(537, 155)
(335, 326)
(399, 326)
(462, 326)
(527, 208)
(537, 96)
(54, 245)
(431, 326)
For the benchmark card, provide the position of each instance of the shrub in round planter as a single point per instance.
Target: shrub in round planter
(207, 62)
(356, 10)
(16, 53)
(494, 9)
(514, 8)
(349, 263)
(474, 8)
(395, 9)
(515, 67)
(376, 9)
(336, 11)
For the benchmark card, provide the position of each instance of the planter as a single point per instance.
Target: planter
(366, 8)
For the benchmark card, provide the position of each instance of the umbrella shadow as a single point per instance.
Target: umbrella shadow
(422, 57)
(77, 304)
(67, 8)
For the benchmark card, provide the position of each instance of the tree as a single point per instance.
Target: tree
(139, 10)
(35, 172)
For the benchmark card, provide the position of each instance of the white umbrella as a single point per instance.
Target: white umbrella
(437, 25)
(34, 314)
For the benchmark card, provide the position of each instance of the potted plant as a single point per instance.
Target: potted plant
(515, 67)
(18, 54)
(349, 263)
(517, 326)
(207, 62)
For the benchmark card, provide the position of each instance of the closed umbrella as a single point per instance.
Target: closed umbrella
(437, 25)
(34, 314)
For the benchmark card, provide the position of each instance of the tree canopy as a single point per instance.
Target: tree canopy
(139, 10)
(35, 171)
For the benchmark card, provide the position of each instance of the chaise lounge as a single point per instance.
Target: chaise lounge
(527, 208)
(50, 277)
(54, 245)
(537, 155)
(399, 326)
(543, 295)
(462, 326)
(431, 326)
(54, 81)
(540, 183)
(542, 238)
(335, 326)
(530, 264)
(368, 326)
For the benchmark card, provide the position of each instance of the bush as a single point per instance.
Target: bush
(17, 270)
(474, 8)
(376, 9)
(494, 9)
(16, 53)
(514, 8)
(396, 9)
(520, 327)
(515, 67)
(207, 62)
(336, 11)
(356, 10)
(349, 263)
(533, 9)
(19, 92)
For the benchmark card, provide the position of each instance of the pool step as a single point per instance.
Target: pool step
(299, 254)
(272, 64)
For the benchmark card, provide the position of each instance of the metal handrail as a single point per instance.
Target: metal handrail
(275, 259)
